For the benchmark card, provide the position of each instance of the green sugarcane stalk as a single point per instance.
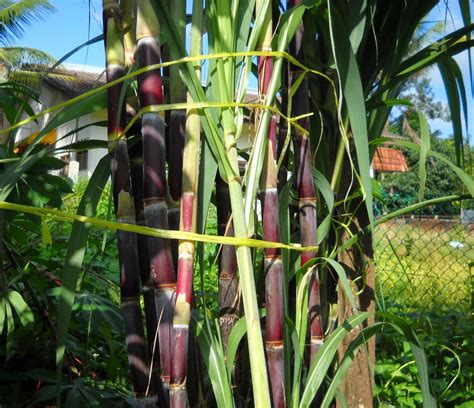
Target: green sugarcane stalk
(274, 322)
(155, 207)
(305, 187)
(186, 249)
(226, 74)
(283, 133)
(124, 208)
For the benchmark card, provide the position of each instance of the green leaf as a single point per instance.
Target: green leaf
(45, 233)
(425, 147)
(325, 356)
(208, 119)
(341, 273)
(235, 337)
(75, 255)
(348, 70)
(297, 362)
(207, 176)
(3, 312)
(10, 176)
(450, 45)
(21, 308)
(357, 14)
(347, 360)
(450, 73)
(213, 356)
(463, 176)
(289, 22)
(85, 145)
(429, 400)
(322, 184)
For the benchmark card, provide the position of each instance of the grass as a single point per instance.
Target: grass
(425, 265)
(425, 276)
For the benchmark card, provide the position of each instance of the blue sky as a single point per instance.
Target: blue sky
(67, 28)
(71, 25)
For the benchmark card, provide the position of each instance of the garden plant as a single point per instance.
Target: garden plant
(280, 231)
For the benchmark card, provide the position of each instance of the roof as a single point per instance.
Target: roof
(74, 82)
(389, 160)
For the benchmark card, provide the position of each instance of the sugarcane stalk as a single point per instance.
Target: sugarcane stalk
(177, 130)
(124, 208)
(154, 196)
(129, 9)
(229, 297)
(186, 249)
(148, 291)
(261, 394)
(305, 187)
(282, 148)
(273, 265)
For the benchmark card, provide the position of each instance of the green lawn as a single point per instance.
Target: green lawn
(423, 266)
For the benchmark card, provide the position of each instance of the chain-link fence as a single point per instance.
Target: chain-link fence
(426, 263)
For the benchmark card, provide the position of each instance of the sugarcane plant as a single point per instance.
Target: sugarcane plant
(162, 268)
(124, 204)
(273, 265)
(307, 211)
(186, 249)
(326, 88)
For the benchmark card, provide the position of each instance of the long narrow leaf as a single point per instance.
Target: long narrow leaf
(346, 65)
(324, 358)
(75, 255)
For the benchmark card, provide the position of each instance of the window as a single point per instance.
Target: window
(64, 172)
(82, 158)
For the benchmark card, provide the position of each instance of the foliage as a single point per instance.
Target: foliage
(352, 84)
(15, 16)
(401, 189)
(448, 341)
(96, 364)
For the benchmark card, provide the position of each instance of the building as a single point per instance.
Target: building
(59, 86)
(69, 81)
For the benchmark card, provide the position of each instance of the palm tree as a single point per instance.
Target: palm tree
(15, 16)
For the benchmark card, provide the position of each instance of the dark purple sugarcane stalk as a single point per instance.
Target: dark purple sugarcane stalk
(188, 209)
(148, 291)
(124, 206)
(150, 92)
(274, 321)
(305, 188)
(177, 129)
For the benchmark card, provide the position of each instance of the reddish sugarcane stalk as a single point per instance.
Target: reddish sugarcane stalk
(154, 196)
(274, 321)
(186, 249)
(305, 187)
(124, 206)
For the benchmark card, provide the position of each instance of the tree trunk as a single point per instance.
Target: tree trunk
(358, 260)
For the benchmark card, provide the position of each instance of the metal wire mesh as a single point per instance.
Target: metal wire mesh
(425, 263)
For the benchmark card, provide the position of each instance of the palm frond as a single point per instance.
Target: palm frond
(17, 57)
(15, 16)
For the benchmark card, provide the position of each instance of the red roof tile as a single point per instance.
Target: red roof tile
(387, 160)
